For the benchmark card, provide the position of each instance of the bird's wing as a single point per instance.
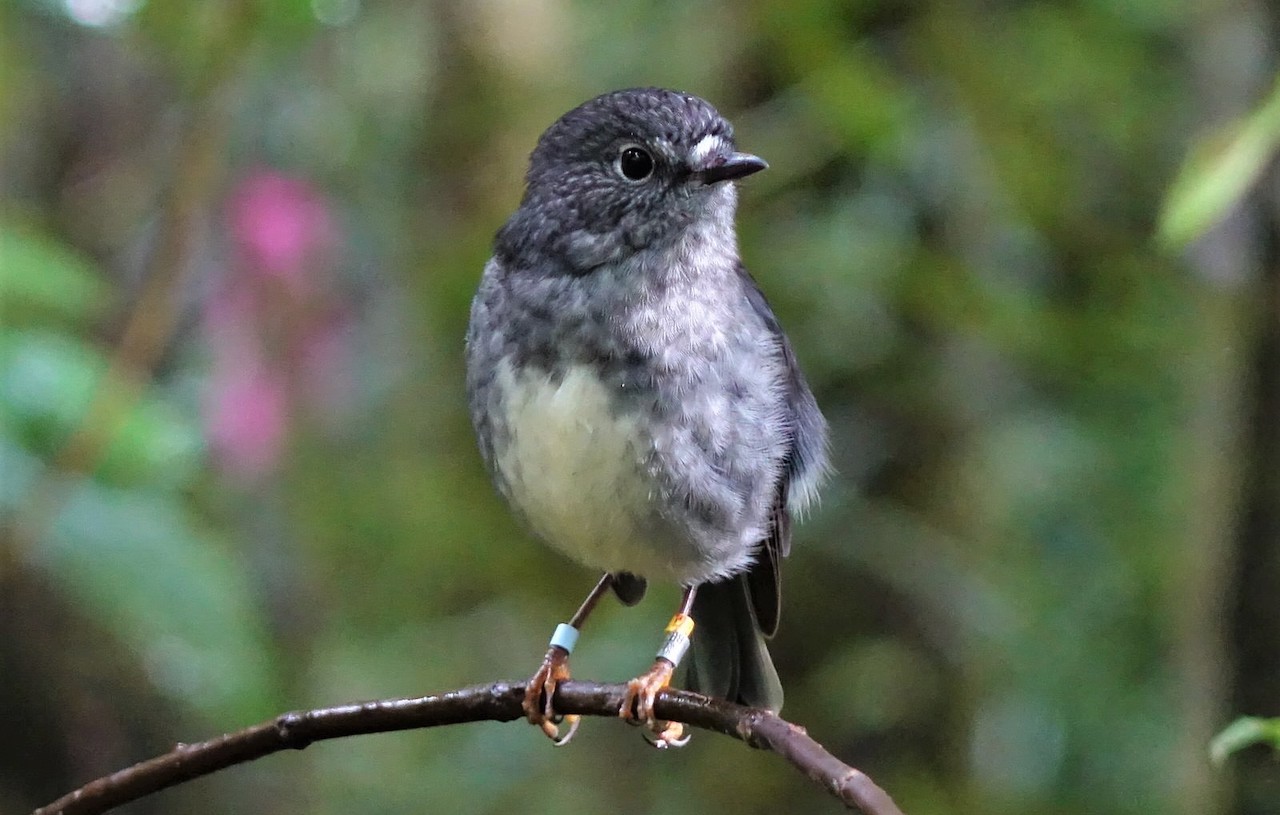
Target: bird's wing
(804, 466)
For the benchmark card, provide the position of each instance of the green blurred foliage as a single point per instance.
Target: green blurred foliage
(996, 609)
(1221, 172)
(1244, 732)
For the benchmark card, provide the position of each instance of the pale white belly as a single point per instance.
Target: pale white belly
(576, 472)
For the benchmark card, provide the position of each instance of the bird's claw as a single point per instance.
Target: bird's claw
(666, 734)
(552, 728)
(638, 701)
(540, 691)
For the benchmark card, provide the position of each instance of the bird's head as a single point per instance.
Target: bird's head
(624, 172)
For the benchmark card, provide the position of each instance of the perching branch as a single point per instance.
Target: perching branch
(497, 702)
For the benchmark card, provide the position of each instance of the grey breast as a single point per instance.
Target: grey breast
(634, 423)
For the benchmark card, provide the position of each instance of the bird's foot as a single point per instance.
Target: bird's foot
(638, 701)
(539, 692)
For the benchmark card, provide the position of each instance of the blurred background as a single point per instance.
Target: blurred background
(1027, 252)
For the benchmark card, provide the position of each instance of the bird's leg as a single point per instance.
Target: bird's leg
(638, 701)
(541, 688)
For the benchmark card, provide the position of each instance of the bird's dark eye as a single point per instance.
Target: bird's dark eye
(635, 163)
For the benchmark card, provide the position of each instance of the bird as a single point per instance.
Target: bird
(635, 399)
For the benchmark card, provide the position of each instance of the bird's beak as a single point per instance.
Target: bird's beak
(732, 166)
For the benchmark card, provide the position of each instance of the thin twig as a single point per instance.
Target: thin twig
(497, 702)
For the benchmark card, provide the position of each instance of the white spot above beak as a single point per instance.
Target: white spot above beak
(708, 146)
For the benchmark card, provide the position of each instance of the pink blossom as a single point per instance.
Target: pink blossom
(247, 417)
(277, 333)
(279, 224)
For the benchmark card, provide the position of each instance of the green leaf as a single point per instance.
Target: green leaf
(40, 274)
(1219, 172)
(139, 562)
(47, 381)
(21, 469)
(1242, 733)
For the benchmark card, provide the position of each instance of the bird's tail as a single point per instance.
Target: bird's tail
(729, 659)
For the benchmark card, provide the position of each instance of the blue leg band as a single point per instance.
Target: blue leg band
(566, 637)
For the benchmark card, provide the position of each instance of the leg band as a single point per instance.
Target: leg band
(566, 637)
(676, 644)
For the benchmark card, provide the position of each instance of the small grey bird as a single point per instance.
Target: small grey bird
(634, 398)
